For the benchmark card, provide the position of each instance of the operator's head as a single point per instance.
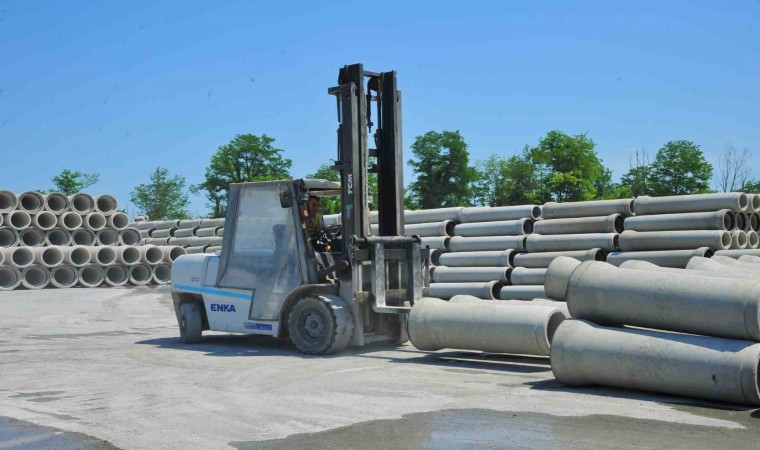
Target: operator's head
(313, 205)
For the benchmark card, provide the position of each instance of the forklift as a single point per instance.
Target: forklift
(347, 286)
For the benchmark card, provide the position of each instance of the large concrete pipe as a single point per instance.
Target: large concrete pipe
(56, 203)
(195, 250)
(526, 292)
(127, 256)
(554, 210)
(70, 221)
(31, 202)
(220, 232)
(44, 220)
(750, 259)
(213, 249)
(8, 237)
(753, 201)
(161, 273)
(499, 258)
(144, 225)
(499, 213)
(83, 237)
(77, 256)
(437, 242)
(91, 276)
(434, 324)
(58, 237)
(645, 205)
(497, 228)
(82, 203)
(202, 232)
(165, 224)
(520, 276)
(542, 260)
(711, 265)
(8, 201)
(724, 370)
(738, 253)
(631, 241)
(144, 233)
(753, 240)
(171, 252)
(711, 220)
(165, 233)
(643, 265)
(443, 228)
(191, 223)
(558, 271)
(216, 240)
(562, 306)
(607, 295)
(35, 277)
(189, 232)
(738, 239)
(444, 274)
(129, 236)
(64, 276)
(196, 241)
(739, 220)
(211, 223)
(150, 254)
(94, 221)
(140, 274)
(665, 258)
(486, 243)
(32, 237)
(566, 242)
(727, 260)
(166, 241)
(580, 225)
(754, 221)
(426, 215)
(116, 275)
(10, 278)
(107, 236)
(18, 220)
(485, 290)
(118, 221)
(106, 204)
(104, 256)
(746, 221)
(48, 256)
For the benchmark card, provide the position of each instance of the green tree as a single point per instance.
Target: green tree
(444, 175)
(635, 182)
(680, 168)
(70, 182)
(246, 157)
(751, 186)
(330, 205)
(163, 198)
(503, 182)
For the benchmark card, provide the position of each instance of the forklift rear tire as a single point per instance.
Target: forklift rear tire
(320, 326)
(190, 322)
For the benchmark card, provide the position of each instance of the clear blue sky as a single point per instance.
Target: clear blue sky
(122, 87)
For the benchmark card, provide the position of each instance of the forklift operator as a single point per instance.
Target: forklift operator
(314, 222)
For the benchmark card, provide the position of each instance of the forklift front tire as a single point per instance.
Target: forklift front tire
(320, 327)
(190, 322)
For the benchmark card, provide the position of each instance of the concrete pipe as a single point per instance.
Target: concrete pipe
(35, 277)
(213, 249)
(197, 241)
(129, 236)
(753, 201)
(500, 258)
(554, 210)
(150, 254)
(750, 259)
(711, 265)
(444, 228)
(521, 276)
(70, 221)
(106, 204)
(437, 242)
(8, 201)
(83, 237)
(580, 225)
(220, 232)
(664, 258)
(643, 265)
(727, 260)
(144, 233)
(487, 243)
(499, 213)
(746, 221)
(723, 370)
(488, 290)
(94, 221)
(631, 241)
(162, 273)
(103, 256)
(527, 292)
(32, 237)
(754, 222)
(738, 253)
(434, 324)
(91, 276)
(187, 232)
(140, 274)
(164, 241)
(203, 232)
(77, 256)
(10, 278)
(144, 225)
(711, 220)
(82, 203)
(127, 256)
(562, 306)
(444, 274)
(194, 223)
(107, 236)
(48, 256)
(171, 252)
(739, 221)
(18, 220)
(542, 260)
(607, 295)
(498, 228)
(645, 205)
(195, 249)
(1, 220)
(566, 242)
(165, 224)
(211, 223)
(426, 215)
(31, 202)
(558, 271)
(174, 241)
(216, 240)
(8, 237)
(57, 237)
(738, 239)
(118, 221)
(116, 275)
(56, 203)
(64, 276)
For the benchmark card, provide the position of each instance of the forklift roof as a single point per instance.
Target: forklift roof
(314, 186)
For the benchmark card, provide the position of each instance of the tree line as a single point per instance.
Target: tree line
(560, 167)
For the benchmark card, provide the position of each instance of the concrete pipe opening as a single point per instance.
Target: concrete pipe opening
(162, 273)
(598, 254)
(551, 327)
(8, 237)
(107, 237)
(10, 278)
(175, 252)
(105, 204)
(743, 201)
(35, 277)
(117, 276)
(618, 224)
(8, 201)
(152, 255)
(45, 220)
(738, 239)
(95, 221)
(31, 202)
(70, 221)
(64, 277)
(50, 257)
(140, 274)
(435, 257)
(739, 221)
(725, 239)
(708, 252)
(118, 221)
(753, 240)
(449, 228)
(130, 255)
(728, 220)
(129, 236)
(632, 207)
(616, 241)
(78, 256)
(82, 203)
(527, 227)
(91, 276)
(105, 256)
(32, 237)
(19, 220)
(754, 220)
(21, 257)
(58, 237)
(83, 237)
(754, 204)
(535, 212)
(56, 203)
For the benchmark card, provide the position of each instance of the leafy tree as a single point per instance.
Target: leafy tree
(163, 198)
(606, 189)
(680, 168)
(502, 182)
(70, 182)
(330, 205)
(636, 181)
(246, 157)
(734, 169)
(444, 175)
(751, 186)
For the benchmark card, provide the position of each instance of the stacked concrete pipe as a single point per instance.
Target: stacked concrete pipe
(194, 235)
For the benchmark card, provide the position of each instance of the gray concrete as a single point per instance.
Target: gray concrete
(665, 258)
(543, 259)
(443, 228)
(488, 290)
(485, 214)
(81, 203)
(497, 228)
(738, 253)
(486, 243)
(501, 258)
(714, 265)
(129, 236)
(525, 276)
(645, 205)
(436, 242)
(604, 224)
(8, 201)
(554, 210)
(644, 265)
(753, 240)
(567, 242)
(444, 274)
(738, 239)
(527, 292)
(631, 241)
(711, 220)
(736, 263)
(107, 365)
(209, 223)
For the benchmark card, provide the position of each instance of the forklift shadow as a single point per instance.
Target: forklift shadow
(474, 361)
(230, 345)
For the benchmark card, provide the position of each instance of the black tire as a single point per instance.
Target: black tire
(190, 322)
(320, 326)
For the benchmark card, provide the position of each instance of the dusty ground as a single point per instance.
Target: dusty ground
(103, 368)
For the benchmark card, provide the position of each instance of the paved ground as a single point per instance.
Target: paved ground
(99, 368)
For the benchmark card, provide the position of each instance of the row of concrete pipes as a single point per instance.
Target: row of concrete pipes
(57, 203)
(35, 237)
(195, 235)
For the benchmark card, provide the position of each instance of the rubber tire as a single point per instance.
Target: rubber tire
(334, 317)
(190, 322)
